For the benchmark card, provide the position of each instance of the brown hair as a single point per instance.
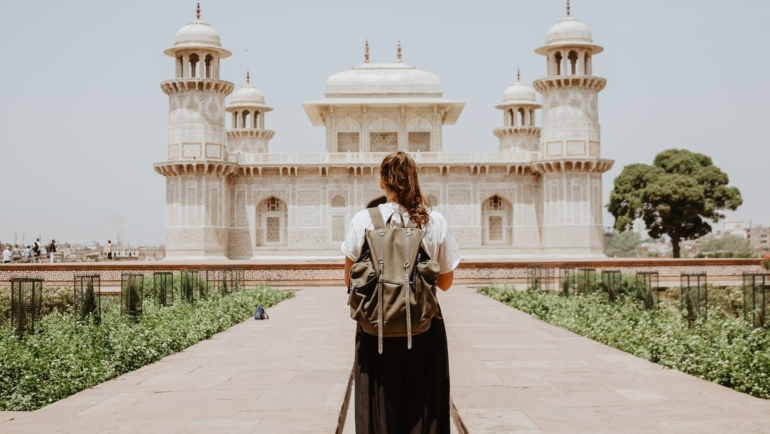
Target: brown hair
(399, 173)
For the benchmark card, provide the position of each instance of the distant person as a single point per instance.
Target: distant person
(52, 249)
(36, 249)
(6, 255)
(109, 249)
(402, 382)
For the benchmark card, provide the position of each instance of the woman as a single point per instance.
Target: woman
(404, 390)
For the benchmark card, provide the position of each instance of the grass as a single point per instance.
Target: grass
(66, 356)
(722, 348)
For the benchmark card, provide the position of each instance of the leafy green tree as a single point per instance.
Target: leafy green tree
(727, 244)
(622, 244)
(678, 195)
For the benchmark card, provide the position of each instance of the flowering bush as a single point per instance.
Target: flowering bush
(766, 262)
(67, 356)
(722, 349)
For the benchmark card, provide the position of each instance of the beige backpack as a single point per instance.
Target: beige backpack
(393, 283)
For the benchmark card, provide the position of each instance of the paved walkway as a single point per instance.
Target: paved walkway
(511, 373)
(285, 375)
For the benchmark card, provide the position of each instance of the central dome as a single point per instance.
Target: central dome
(383, 79)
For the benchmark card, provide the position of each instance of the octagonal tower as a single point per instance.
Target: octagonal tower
(196, 166)
(248, 137)
(519, 135)
(570, 142)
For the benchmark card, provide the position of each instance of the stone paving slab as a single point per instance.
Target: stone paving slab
(288, 374)
(512, 373)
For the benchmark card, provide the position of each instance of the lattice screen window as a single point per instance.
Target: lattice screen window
(383, 142)
(338, 228)
(273, 234)
(496, 228)
(338, 201)
(419, 141)
(348, 142)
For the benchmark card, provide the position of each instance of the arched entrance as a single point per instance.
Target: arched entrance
(271, 222)
(497, 221)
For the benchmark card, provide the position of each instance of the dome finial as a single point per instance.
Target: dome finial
(366, 52)
(398, 55)
(518, 75)
(248, 78)
(198, 11)
(568, 9)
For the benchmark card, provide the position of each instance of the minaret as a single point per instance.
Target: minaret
(247, 135)
(196, 166)
(570, 142)
(519, 136)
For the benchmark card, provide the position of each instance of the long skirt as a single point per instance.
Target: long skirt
(403, 390)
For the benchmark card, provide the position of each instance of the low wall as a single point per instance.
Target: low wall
(325, 272)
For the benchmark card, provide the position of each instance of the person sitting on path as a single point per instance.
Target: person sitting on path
(6, 255)
(400, 389)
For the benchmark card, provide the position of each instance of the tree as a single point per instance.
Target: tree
(727, 244)
(622, 244)
(678, 195)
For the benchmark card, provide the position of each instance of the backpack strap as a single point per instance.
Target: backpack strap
(376, 216)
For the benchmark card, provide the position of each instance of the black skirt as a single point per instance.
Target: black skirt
(403, 390)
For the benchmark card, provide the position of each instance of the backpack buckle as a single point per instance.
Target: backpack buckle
(408, 232)
(381, 233)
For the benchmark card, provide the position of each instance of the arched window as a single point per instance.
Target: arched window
(338, 201)
(497, 218)
(271, 222)
(208, 64)
(244, 123)
(557, 58)
(573, 62)
(522, 118)
(194, 60)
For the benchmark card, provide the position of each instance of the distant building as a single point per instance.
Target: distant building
(735, 227)
(759, 236)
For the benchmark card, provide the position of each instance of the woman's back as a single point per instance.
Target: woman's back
(437, 240)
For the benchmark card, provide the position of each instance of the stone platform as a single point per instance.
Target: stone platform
(511, 373)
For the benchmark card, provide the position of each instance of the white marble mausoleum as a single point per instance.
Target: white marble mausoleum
(228, 197)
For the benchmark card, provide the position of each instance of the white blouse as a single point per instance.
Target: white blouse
(438, 240)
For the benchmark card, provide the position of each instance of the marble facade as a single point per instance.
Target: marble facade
(228, 197)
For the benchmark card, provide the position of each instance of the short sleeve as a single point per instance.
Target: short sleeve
(448, 253)
(354, 239)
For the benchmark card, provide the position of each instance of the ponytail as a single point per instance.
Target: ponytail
(399, 173)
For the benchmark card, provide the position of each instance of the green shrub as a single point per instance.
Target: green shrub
(722, 349)
(67, 356)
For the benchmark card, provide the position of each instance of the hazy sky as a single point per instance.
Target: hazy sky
(83, 117)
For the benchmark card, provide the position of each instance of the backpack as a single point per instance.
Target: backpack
(393, 271)
(260, 313)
